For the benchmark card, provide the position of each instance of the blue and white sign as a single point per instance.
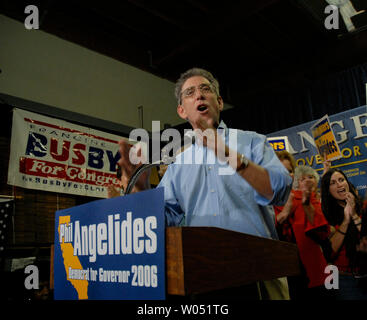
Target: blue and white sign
(111, 249)
(350, 130)
(279, 143)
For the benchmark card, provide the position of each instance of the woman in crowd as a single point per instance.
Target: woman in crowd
(301, 221)
(284, 228)
(343, 210)
(288, 161)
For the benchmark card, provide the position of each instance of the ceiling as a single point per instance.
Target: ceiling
(253, 47)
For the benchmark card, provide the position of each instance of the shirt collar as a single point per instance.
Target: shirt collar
(222, 129)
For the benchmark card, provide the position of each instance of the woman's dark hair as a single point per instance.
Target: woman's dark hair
(334, 212)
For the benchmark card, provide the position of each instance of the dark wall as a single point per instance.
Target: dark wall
(272, 111)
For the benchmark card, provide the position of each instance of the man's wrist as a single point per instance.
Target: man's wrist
(242, 162)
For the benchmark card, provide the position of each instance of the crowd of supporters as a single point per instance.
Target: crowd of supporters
(328, 223)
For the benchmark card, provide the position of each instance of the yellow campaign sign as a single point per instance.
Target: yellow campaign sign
(279, 143)
(325, 139)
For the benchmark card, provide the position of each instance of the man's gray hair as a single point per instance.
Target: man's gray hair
(192, 73)
(304, 171)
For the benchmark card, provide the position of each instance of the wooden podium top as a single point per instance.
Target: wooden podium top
(202, 259)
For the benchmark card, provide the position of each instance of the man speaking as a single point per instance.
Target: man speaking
(237, 179)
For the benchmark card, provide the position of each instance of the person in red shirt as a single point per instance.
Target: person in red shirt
(301, 221)
(343, 209)
(283, 226)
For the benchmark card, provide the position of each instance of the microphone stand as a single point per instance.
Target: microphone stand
(166, 159)
(139, 171)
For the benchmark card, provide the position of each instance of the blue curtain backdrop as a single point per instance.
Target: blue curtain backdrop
(272, 112)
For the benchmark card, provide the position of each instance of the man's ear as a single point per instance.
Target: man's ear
(181, 112)
(220, 103)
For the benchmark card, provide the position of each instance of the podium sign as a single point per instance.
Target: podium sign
(111, 249)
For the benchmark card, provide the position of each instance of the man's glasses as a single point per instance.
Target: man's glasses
(204, 89)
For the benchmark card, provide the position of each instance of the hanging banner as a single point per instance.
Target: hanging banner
(54, 155)
(111, 249)
(325, 141)
(350, 130)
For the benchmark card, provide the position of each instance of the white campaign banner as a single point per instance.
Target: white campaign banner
(54, 155)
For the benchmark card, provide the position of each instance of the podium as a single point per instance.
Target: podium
(204, 259)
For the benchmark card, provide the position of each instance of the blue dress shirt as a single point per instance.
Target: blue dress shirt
(200, 191)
